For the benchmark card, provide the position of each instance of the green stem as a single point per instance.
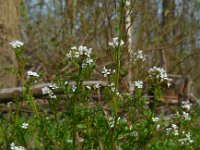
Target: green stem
(5, 136)
(21, 77)
(117, 69)
(35, 110)
(16, 118)
(29, 92)
(74, 125)
(78, 83)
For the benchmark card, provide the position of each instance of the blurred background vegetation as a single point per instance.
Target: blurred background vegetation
(167, 30)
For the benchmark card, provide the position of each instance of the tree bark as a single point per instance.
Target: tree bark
(71, 10)
(168, 7)
(128, 29)
(9, 30)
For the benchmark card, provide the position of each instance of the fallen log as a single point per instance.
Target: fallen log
(9, 94)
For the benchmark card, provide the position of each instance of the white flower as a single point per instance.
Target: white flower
(160, 73)
(16, 44)
(81, 53)
(135, 134)
(53, 86)
(96, 86)
(47, 90)
(155, 119)
(176, 132)
(186, 116)
(168, 130)
(74, 88)
(138, 56)
(111, 121)
(32, 74)
(175, 129)
(14, 147)
(186, 105)
(187, 139)
(88, 87)
(115, 42)
(88, 61)
(25, 125)
(117, 93)
(158, 126)
(182, 141)
(106, 72)
(174, 126)
(138, 84)
(112, 84)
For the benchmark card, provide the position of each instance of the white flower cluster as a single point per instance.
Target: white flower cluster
(173, 128)
(16, 44)
(25, 125)
(49, 91)
(160, 73)
(106, 72)
(14, 147)
(115, 42)
(81, 53)
(187, 139)
(138, 84)
(138, 56)
(186, 116)
(32, 74)
(186, 105)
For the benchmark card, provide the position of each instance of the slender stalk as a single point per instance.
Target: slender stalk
(28, 93)
(117, 68)
(20, 74)
(117, 59)
(16, 118)
(78, 83)
(74, 125)
(5, 136)
(35, 110)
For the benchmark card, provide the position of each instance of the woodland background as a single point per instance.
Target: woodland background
(166, 30)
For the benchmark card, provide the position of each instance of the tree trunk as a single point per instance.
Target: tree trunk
(9, 30)
(128, 29)
(71, 10)
(168, 7)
